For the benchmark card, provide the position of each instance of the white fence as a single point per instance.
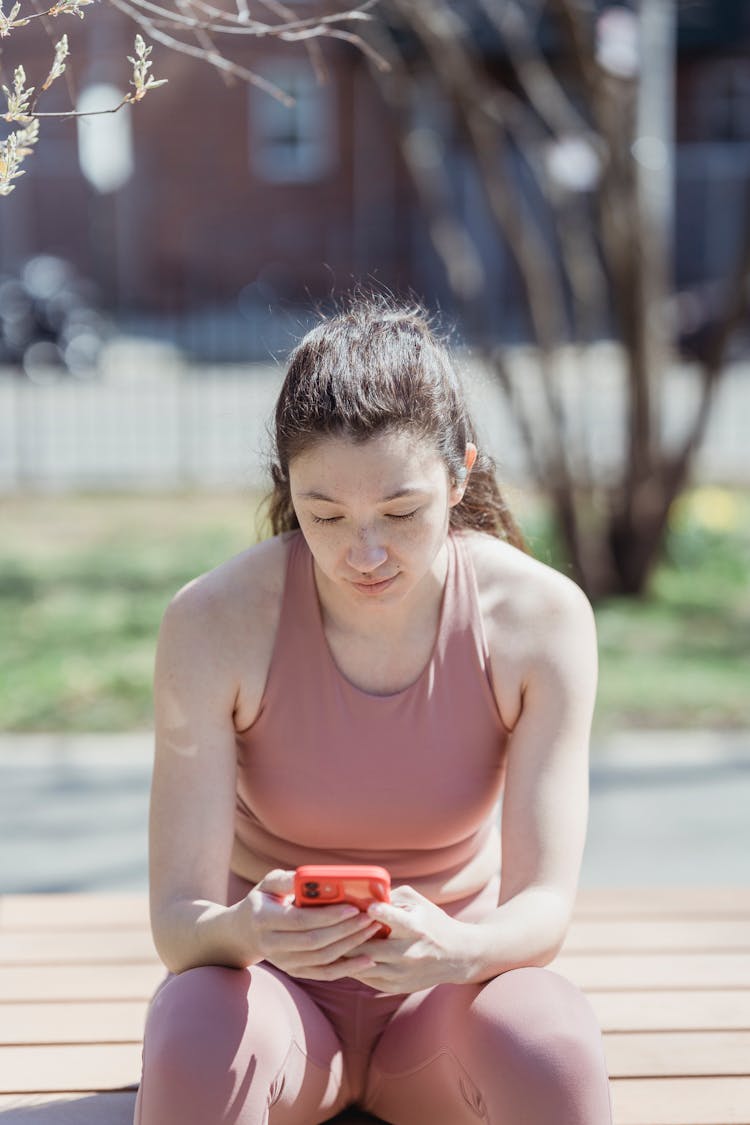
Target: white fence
(161, 426)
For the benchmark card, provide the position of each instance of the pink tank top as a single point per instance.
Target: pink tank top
(328, 773)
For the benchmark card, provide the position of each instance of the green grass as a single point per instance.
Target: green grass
(84, 581)
(83, 584)
(679, 657)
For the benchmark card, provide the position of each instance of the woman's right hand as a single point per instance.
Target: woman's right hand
(313, 942)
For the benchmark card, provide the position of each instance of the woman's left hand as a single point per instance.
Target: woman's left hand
(426, 946)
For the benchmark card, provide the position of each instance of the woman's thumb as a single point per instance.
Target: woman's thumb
(277, 883)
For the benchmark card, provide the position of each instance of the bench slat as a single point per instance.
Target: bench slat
(681, 1101)
(74, 911)
(123, 1020)
(663, 902)
(70, 1066)
(130, 911)
(80, 982)
(107, 1066)
(627, 935)
(672, 1054)
(69, 947)
(672, 1011)
(96, 1022)
(592, 972)
(676, 970)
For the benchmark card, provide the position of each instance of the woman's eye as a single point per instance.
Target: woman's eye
(390, 516)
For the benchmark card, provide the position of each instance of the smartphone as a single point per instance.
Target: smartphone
(320, 884)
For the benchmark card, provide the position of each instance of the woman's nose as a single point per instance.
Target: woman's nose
(366, 553)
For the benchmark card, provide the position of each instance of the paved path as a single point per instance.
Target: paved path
(667, 808)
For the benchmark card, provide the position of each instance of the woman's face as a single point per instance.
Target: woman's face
(374, 514)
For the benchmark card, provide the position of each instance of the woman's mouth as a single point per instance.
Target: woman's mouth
(371, 588)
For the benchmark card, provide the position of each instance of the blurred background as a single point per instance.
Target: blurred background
(566, 183)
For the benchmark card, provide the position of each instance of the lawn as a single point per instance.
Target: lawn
(84, 581)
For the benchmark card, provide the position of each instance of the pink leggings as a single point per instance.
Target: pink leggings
(256, 1047)
(253, 1047)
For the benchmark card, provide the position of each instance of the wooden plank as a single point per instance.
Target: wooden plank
(68, 947)
(663, 902)
(591, 972)
(67, 1109)
(672, 1011)
(614, 971)
(585, 936)
(123, 1020)
(79, 982)
(681, 1101)
(74, 911)
(119, 1021)
(69, 1067)
(679, 1053)
(627, 935)
(130, 910)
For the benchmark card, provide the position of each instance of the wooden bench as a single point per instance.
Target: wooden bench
(667, 971)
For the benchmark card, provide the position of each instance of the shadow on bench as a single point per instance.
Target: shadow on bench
(114, 1108)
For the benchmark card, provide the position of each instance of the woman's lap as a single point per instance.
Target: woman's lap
(256, 1047)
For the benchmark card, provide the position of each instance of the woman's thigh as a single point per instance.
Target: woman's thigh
(246, 1046)
(522, 1047)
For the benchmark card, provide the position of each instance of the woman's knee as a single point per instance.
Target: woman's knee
(537, 1048)
(535, 1017)
(196, 1021)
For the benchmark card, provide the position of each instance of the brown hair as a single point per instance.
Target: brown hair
(371, 368)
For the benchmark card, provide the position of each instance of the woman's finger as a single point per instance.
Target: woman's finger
(397, 917)
(285, 916)
(278, 883)
(348, 967)
(337, 950)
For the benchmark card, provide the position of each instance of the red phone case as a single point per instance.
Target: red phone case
(321, 884)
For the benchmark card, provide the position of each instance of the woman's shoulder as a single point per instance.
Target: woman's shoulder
(249, 583)
(223, 624)
(516, 589)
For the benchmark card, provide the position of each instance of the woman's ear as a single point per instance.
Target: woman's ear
(462, 476)
(470, 458)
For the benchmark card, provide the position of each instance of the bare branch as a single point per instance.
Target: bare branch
(229, 24)
(537, 78)
(314, 52)
(356, 41)
(577, 20)
(213, 57)
(204, 40)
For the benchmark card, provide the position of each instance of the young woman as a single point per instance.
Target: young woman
(362, 688)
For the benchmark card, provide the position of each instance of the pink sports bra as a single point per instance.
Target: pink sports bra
(328, 773)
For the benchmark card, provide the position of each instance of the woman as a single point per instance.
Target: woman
(363, 687)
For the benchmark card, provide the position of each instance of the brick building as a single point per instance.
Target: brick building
(232, 202)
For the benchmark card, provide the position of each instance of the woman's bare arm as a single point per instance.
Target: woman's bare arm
(545, 804)
(193, 788)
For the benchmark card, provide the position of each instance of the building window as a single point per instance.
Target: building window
(723, 101)
(292, 143)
